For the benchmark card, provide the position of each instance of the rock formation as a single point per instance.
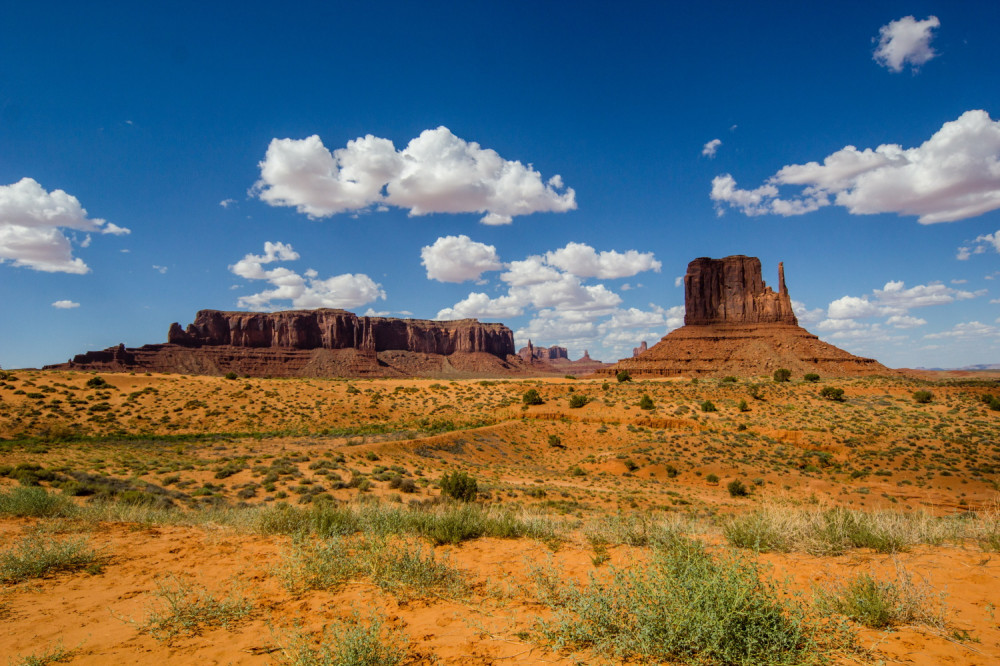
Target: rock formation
(555, 359)
(316, 343)
(640, 349)
(734, 324)
(532, 353)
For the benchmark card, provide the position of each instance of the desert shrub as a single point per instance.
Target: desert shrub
(782, 375)
(922, 397)
(991, 401)
(742, 406)
(811, 377)
(645, 402)
(623, 376)
(531, 397)
(231, 375)
(38, 555)
(631, 465)
(684, 605)
(712, 478)
(33, 501)
(753, 390)
(729, 379)
(186, 610)
(832, 393)
(671, 471)
(459, 486)
(576, 401)
(556, 442)
(736, 488)
(97, 382)
(348, 643)
(708, 406)
(879, 603)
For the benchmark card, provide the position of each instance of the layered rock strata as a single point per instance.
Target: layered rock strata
(736, 325)
(316, 343)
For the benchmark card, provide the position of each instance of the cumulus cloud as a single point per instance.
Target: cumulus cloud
(458, 258)
(584, 261)
(437, 172)
(65, 305)
(565, 309)
(952, 176)
(806, 316)
(710, 148)
(305, 291)
(965, 330)
(906, 41)
(32, 224)
(979, 246)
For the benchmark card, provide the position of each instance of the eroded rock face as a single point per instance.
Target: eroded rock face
(641, 349)
(731, 291)
(339, 329)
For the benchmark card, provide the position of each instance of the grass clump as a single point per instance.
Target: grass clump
(54, 655)
(684, 605)
(186, 610)
(348, 643)
(879, 603)
(38, 556)
(34, 501)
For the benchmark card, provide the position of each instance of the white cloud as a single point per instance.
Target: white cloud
(805, 315)
(437, 172)
(530, 271)
(906, 41)
(160, 269)
(305, 291)
(905, 321)
(458, 258)
(584, 261)
(65, 305)
(679, 281)
(478, 305)
(31, 228)
(980, 245)
(965, 330)
(963, 281)
(952, 176)
(226, 203)
(710, 148)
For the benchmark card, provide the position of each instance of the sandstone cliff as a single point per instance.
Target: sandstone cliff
(731, 291)
(316, 343)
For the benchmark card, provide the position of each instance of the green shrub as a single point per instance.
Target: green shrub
(737, 489)
(811, 377)
(708, 406)
(645, 402)
(782, 375)
(34, 501)
(684, 606)
(832, 393)
(231, 375)
(742, 406)
(349, 643)
(459, 486)
(187, 610)
(623, 376)
(730, 379)
(38, 555)
(922, 397)
(712, 478)
(531, 397)
(880, 603)
(97, 382)
(556, 442)
(576, 401)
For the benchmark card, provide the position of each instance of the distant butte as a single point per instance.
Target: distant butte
(734, 324)
(316, 343)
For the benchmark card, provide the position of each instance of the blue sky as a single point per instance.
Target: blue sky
(553, 166)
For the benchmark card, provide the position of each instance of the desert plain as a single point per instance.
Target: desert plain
(155, 518)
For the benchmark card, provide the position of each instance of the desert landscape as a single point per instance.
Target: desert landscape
(191, 519)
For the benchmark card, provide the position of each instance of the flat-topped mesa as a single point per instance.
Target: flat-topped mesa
(339, 329)
(731, 291)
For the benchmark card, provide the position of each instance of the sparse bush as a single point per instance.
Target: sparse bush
(811, 377)
(459, 486)
(231, 375)
(556, 442)
(531, 397)
(645, 402)
(187, 610)
(684, 606)
(577, 400)
(880, 603)
(712, 478)
(736, 488)
(97, 382)
(708, 406)
(623, 376)
(729, 379)
(922, 397)
(832, 393)
(33, 501)
(348, 643)
(38, 555)
(782, 375)
(742, 406)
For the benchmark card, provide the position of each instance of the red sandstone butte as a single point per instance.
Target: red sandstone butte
(316, 343)
(734, 324)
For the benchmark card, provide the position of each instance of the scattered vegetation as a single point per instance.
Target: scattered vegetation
(832, 393)
(623, 376)
(459, 486)
(782, 375)
(531, 397)
(922, 397)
